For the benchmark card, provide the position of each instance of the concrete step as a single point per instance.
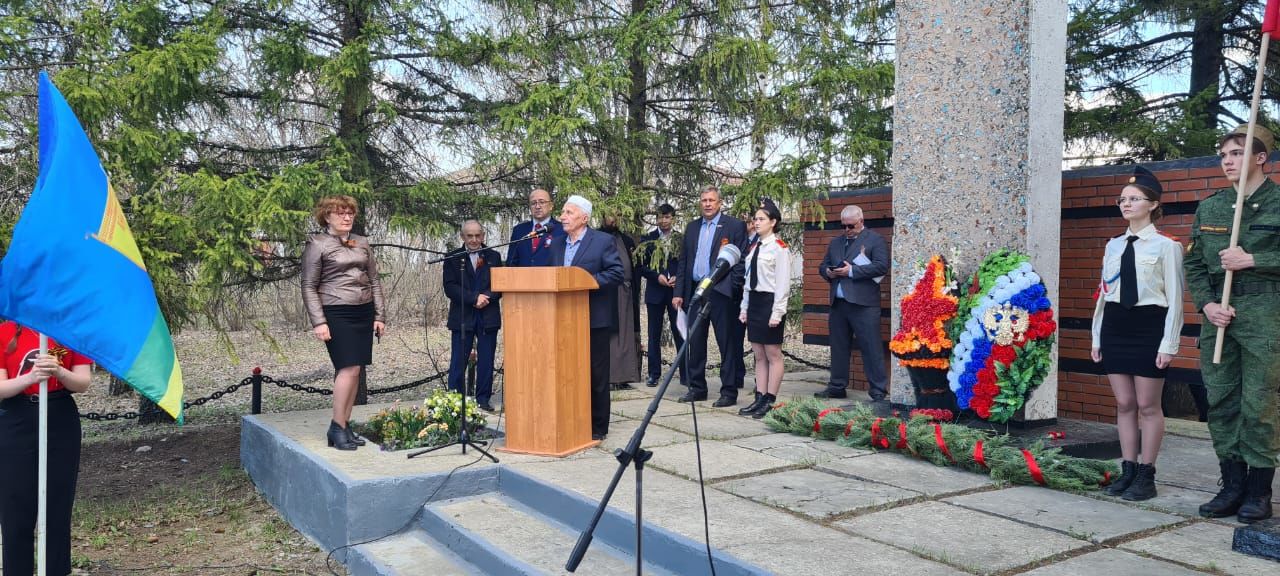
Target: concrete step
(410, 553)
(499, 535)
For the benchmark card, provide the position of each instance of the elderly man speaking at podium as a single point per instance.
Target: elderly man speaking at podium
(594, 252)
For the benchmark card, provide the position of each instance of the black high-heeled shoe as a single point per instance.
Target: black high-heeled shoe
(338, 437)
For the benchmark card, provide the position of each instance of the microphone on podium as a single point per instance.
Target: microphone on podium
(725, 261)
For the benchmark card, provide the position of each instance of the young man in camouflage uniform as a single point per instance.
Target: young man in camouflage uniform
(1244, 410)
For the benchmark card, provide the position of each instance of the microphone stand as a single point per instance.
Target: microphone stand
(634, 454)
(464, 437)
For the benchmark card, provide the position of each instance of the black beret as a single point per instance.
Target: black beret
(1144, 178)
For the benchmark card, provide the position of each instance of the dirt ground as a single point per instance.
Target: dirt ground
(179, 503)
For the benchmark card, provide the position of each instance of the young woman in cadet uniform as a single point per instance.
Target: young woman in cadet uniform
(764, 303)
(1136, 326)
(20, 375)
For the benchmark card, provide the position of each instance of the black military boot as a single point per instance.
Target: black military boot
(752, 406)
(1257, 499)
(1127, 470)
(1231, 496)
(1144, 484)
(765, 406)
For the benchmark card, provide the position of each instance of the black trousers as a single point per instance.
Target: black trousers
(600, 380)
(729, 333)
(19, 434)
(658, 314)
(849, 321)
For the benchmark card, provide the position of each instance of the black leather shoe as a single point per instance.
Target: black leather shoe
(651, 382)
(337, 437)
(752, 406)
(691, 397)
(487, 407)
(831, 394)
(1143, 486)
(598, 436)
(351, 436)
(1128, 471)
(724, 401)
(626, 386)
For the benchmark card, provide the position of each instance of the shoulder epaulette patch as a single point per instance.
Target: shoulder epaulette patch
(780, 242)
(1170, 236)
(1215, 229)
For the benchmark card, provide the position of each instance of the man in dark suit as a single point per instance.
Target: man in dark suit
(596, 253)
(474, 315)
(702, 241)
(853, 265)
(535, 251)
(659, 273)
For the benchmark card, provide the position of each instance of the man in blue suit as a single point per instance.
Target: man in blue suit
(474, 315)
(535, 251)
(853, 265)
(660, 281)
(702, 241)
(596, 253)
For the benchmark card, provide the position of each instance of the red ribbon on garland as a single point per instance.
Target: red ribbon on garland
(848, 427)
(902, 435)
(1106, 478)
(877, 437)
(942, 444)
(1032, 467)
(817, 423)
(977, 455)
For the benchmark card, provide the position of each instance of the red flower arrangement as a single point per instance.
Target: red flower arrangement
(922, 340)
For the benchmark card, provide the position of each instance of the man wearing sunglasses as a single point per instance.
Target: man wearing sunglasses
(854, 265)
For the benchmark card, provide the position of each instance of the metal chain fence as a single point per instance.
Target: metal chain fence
(258, 379)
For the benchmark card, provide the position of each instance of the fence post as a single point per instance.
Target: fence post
(257, 390)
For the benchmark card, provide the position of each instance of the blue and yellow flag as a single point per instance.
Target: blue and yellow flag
(74, 272)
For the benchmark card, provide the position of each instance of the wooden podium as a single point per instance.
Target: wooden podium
(546, 327)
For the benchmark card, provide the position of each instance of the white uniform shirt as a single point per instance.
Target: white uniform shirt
(1159, 272)
(773, 276)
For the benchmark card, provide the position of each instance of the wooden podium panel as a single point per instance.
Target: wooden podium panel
(546, 331)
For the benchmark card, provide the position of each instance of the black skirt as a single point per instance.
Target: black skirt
(1131, 339)
(759, 308)
(350, 334)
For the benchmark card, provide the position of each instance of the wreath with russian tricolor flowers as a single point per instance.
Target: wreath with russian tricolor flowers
(1003, 350)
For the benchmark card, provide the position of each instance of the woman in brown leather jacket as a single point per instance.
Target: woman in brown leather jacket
(343, 296)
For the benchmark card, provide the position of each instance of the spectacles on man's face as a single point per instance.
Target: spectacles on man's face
(539, 202)
(1121, 201)
(850, 226)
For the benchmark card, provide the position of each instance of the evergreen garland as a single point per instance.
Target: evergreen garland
(942, 444)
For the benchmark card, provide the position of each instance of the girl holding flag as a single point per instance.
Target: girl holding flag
(67, 372)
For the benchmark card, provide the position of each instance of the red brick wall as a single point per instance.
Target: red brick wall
(1089, 220)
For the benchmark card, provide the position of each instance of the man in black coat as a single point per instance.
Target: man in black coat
(854, 266)
(595, 252)
(659, 273)
(702, 241)
(474, 314)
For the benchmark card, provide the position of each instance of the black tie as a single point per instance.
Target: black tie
(755, 259)
(1128, 275)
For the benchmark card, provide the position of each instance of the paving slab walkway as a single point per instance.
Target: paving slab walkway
(795, 505)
